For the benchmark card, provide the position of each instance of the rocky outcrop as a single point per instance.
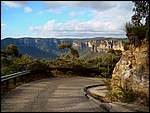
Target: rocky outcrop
(47, 47)
(102, 44)
(132, 70)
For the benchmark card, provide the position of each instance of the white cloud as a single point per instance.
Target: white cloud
(50, 10)
(39, 13)
(14, 4)
(73, 13)
(37, 28)
(98, 5)
(27, 9)
(55, 11)
(49, 25)
(75, 28)
(108, 17)
(3, 26)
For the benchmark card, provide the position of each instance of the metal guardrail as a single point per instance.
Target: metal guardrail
(13, 75)
(23, 77)
(31, 75)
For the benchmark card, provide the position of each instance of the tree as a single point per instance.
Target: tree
(3, 53)
(138, 28)
(12, 50)
(63, 46)
(141, 12)
(111, 51)
(73, 51)
(5, 62)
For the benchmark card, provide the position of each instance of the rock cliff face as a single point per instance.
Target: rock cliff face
(132, 70)
(47, 47)
(101, 45)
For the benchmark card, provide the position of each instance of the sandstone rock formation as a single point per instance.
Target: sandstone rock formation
(132, 70)
(102, 44)
(47, 47)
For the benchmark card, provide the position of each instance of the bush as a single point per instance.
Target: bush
(128, 27)
(135, 33)
(140, 30)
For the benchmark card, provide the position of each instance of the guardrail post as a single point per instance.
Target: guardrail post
(15, 80)
(7, 85)
(21, 79)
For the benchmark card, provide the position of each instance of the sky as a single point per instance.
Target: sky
(65, 19)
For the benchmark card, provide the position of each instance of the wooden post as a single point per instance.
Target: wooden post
(15, 80)
(7, 85)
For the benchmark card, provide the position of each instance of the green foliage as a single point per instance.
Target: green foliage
(141, 9)
(3, 53)
(86, 64)
(104, 72)
(126, 94)
(107, 65)
(147, 31)
(132, 29)
(12, 50)
(139, 30)
(26, 62)
(74, 52)
(112, 51)
(123, 93)
(70, 60)
(95, 60)
(5, 62)
(90, 55)
(128, 27)
(63, 46)
(136, 30)
(6, 66)
(110, 96)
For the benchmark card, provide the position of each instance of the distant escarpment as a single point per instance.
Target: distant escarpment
(47, 47)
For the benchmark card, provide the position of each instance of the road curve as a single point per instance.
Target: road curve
(51, 95)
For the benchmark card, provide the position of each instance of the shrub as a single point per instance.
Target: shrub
(131, 29)
(125, 93)
(128, 27)
(140, 30)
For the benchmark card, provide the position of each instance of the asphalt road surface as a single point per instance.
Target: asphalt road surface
(51, 95)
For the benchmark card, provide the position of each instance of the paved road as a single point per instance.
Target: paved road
(51, 95)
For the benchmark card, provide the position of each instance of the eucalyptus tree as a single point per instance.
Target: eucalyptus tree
(12, 50)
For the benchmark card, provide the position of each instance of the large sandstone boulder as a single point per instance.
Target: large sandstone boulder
(132, 70)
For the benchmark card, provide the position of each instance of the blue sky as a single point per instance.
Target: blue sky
(64, 19)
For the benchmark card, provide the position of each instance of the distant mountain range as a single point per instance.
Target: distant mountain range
(47, 47)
